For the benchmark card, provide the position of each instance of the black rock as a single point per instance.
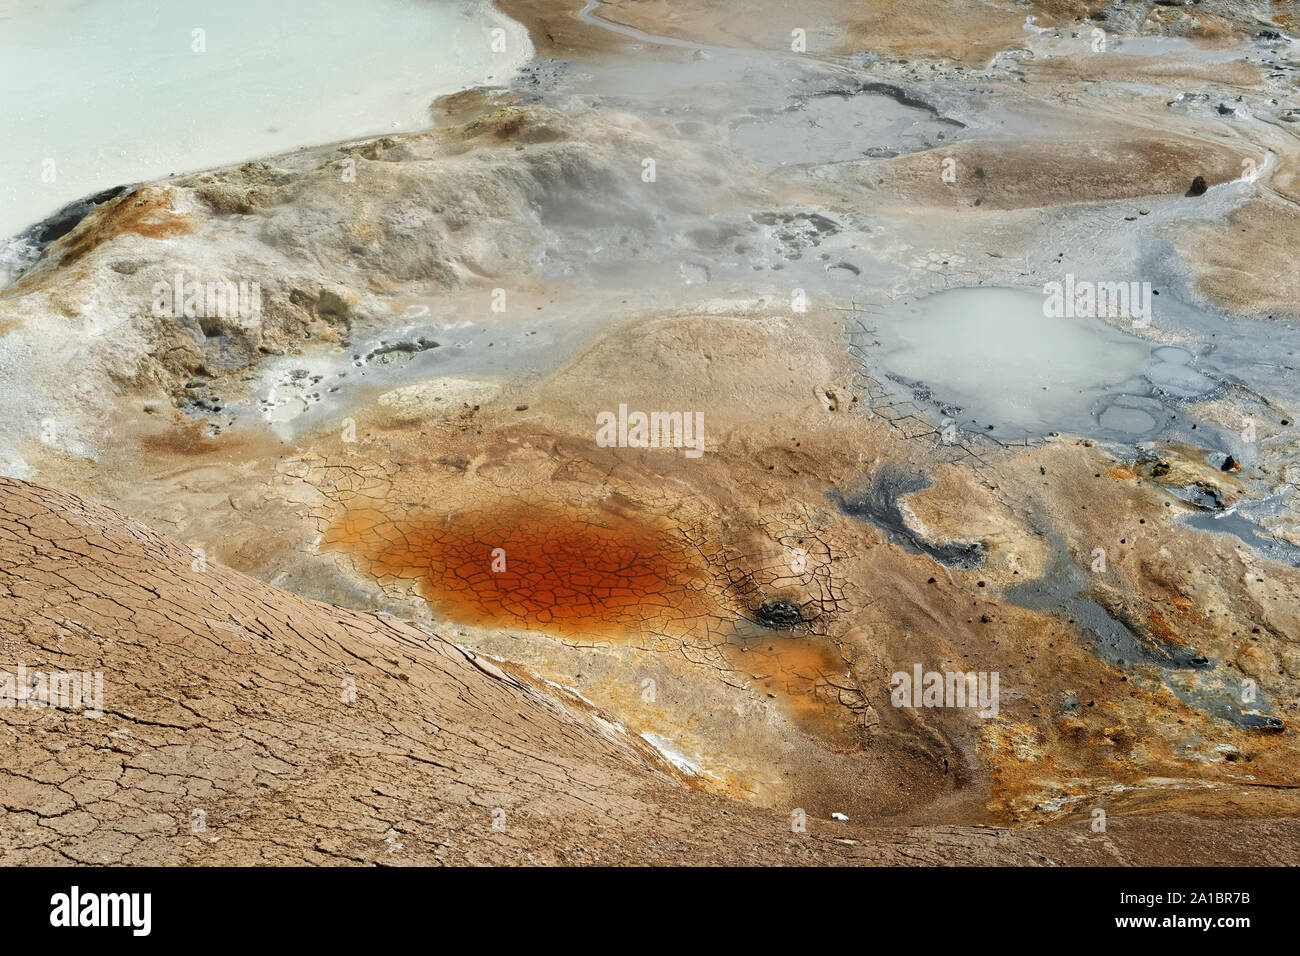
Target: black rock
(779, 615)
(66, 219)
(1198, 187)
(1263, 723)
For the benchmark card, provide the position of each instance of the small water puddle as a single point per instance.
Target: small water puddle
(993, 361)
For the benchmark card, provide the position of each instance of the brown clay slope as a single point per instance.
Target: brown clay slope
(225, 696)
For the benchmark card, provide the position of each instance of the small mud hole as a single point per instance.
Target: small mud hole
(779, 615)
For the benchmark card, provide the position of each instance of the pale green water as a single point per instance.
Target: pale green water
(112, 91)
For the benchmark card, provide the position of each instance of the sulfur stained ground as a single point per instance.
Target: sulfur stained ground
(625, 566)
(638, 587)
(813, 709)
(245, 725)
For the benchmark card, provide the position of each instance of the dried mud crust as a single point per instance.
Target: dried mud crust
(222, 694)
(967, 33)
(1075, 725)
(593, 570)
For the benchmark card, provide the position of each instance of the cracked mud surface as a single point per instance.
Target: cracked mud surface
(224, 695)
(674, 653)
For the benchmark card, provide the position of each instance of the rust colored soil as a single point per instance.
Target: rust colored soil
(146, 212)
(524, 565)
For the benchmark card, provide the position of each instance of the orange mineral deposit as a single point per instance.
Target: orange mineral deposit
(571, 571)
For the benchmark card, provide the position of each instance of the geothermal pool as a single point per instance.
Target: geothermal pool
(992, 353)
(100, 94)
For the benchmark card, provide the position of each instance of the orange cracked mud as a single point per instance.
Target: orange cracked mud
(596, 572)
(523, 565)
